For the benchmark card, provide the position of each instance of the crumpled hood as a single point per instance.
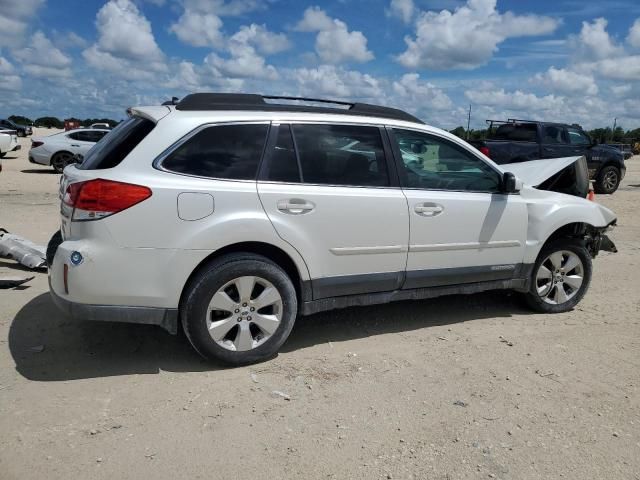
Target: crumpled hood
(535, 172)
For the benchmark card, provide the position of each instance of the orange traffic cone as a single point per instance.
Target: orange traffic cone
(591, 196)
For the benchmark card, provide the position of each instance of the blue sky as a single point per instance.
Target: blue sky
(562, 60)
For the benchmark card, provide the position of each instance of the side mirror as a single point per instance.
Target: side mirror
(510, 184)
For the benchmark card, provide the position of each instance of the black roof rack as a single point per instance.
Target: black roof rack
(250, 101)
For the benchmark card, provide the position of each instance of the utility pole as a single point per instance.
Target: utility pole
(468, 121)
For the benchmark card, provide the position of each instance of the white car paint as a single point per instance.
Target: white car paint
(535, 172)
(8, 141)
(144, 255)
(62, 142)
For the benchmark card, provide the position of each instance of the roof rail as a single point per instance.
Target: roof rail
(250, 101)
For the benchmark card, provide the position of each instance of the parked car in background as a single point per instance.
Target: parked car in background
(104, 126)
(60, 149)
(523, 140)
(625, 148)
(21, 130)
(230, 216)
(8, 143)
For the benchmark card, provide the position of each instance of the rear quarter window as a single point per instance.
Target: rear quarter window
(522, 132)
(230, 152)
(117, 144)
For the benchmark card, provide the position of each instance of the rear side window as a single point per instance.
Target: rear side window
(341, 155)
(519, 132)
(553, 134)
(283, 164)
(223, 151)
(118, 144)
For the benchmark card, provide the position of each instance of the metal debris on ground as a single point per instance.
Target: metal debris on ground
(12, 282)
(460, 403)
(22, 250)
(277, 393)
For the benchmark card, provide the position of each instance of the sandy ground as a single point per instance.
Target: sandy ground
(457, 387)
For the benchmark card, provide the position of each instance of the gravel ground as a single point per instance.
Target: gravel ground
(456, 387)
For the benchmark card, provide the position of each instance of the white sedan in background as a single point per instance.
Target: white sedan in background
(60, 149)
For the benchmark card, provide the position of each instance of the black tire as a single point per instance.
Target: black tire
(2, 154)
(208, 281)
(608, 180)
(21, 133)
(534, 299)
(61, 160)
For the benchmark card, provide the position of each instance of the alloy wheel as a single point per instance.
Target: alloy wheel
(559, 277)
(244, 313)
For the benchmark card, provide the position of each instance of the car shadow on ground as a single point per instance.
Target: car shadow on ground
(40, 170)
(47, 346)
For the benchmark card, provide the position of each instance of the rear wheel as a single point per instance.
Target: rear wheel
(560, 278)
(239, 309)
(608, 180)
(61, 160)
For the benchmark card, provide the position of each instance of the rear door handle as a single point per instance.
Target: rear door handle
(428, 209)
(295, 206)
(74, 145)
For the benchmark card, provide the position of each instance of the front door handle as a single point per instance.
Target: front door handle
(295, 206)
(428, 209)
(73, 145)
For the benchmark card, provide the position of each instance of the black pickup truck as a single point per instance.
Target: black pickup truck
(523, 140)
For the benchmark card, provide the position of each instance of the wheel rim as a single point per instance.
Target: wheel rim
(61, 160)
(610, 180)
(244, 313)
(559, 277)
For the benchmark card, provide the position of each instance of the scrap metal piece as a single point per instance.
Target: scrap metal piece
(11, 282)
(22, 250)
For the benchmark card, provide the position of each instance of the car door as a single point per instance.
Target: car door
(463, 229)
(76, 143)
(555, 143)
(329, 192)
(581, 145)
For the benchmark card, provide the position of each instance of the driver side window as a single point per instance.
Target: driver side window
(436, 164)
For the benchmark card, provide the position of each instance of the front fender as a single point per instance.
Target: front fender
(549, 211)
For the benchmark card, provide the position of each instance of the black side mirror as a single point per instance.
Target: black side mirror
(509, 184)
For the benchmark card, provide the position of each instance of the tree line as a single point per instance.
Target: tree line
(54, 122)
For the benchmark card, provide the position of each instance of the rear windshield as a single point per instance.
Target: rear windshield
(117, 144)
(520, 132)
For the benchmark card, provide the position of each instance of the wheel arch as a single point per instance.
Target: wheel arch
(270, 251)
(58, 153)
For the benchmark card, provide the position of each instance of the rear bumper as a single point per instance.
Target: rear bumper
(166, 318)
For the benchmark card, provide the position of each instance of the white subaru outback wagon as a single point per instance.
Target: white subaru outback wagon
(233, 214)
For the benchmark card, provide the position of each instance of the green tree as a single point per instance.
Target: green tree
(49, 122)
(459, 132)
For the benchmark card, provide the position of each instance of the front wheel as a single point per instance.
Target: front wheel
(239, 309)
(608, 180)
(560, 277)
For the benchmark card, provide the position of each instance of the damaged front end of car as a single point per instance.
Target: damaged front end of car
(596, 240)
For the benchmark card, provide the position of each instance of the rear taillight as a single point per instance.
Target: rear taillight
(95, 199)
(36, 144)
(485, 151)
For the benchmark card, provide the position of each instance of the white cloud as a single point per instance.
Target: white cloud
(10, 81)
(42, 59)
(262, 39)
(199, 29)
(420, 95)
(402, 9)
(567, 81)
(633, 38)
(467, 37)
(622, 68)
(621, 90)
(68, 40)
(126, 45)
(332, 81)
(517, 100)
(334, 42)
(14, 17)
(594, 42)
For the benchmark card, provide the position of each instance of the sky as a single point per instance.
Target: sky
(573, 61)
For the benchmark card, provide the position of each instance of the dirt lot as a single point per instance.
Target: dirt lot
(457, 387)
